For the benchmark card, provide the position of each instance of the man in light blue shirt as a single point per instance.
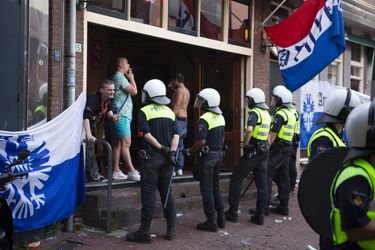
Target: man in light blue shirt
(125, 87)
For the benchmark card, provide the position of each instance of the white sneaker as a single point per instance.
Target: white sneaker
(179, 172)
(134, 176)
(118, 175)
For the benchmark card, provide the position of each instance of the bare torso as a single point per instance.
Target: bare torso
(180, 101)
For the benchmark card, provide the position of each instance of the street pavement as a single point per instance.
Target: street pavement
(278, 232)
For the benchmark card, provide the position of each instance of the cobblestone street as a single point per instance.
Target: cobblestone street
(278, 232)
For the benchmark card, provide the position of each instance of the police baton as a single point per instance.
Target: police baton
(170, 183)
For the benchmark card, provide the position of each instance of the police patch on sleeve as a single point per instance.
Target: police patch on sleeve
(358, 198)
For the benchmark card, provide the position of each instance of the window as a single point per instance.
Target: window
(239, 22)
(356, 67)
(335, 72)
(182, 16)
(212, 19)
(37, 89)
(115, 5)
(114, 8)
(147, 11)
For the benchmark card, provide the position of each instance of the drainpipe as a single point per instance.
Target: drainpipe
(71, 74)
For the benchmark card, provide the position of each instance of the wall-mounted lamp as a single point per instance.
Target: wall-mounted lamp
(265, 43)
(82, 4)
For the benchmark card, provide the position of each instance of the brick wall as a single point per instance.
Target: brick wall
(57, 83)
(261, 68)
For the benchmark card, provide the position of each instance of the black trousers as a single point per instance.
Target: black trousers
(258, 164)
(156, 173)
(208, 175)
(278, 163)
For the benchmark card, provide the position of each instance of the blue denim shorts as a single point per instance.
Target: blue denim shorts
(123, 127)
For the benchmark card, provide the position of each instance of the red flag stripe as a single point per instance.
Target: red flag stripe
(297, 26)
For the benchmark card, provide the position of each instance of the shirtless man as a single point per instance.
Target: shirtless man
(180, 102)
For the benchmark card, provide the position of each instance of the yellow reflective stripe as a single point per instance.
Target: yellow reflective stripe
(359, 167)
(213, 120)
(327, 132)
(262, 128)
(153, 111)
(287, 130)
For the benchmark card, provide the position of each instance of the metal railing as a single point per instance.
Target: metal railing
(109, 176)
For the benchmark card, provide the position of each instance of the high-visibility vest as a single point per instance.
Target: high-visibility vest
(213, 120)
(327, 132)
(153, 111)
(358, 167)
(262, 128)
(287, 130)
(297, 127)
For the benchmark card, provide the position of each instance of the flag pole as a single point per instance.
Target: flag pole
(270, 15)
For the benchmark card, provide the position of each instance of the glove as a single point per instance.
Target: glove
(187, 152)
(172, 157)
(165, 151)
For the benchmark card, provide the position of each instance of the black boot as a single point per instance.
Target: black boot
(171, 233)
(138, 236)
(257, 219)
(231, 215)
(280, 210)
(207, 226)
(220, 219)
(255, 211)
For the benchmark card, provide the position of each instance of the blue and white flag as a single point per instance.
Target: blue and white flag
(55, 184)
(308, 40)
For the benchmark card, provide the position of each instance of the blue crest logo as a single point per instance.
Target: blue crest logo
(308, 112)
(24, 195)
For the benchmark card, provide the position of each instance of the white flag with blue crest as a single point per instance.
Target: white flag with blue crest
(55, 183)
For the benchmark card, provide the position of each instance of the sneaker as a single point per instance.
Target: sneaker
(134, 176)
(179, 172)
(99, 178)
(174, 174)
(138, 236)
(118, 175)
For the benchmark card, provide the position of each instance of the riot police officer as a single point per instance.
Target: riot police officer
(209, 142)
(281, 136)
(336, 109)
(352, 191)
(254, 158)
(159, 139)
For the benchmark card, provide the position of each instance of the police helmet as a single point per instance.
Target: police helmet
(255, 98)
(283, 96)
(338, 106)
(154, 91)
(360, 131)
(208, 99)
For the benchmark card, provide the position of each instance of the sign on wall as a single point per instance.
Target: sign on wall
(313, 95)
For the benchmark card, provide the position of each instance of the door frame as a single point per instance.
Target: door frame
(233, 138)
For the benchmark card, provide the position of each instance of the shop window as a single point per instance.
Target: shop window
(239, 22)
(182, 16)
(211, 19)
(37, 87)
(147, 11)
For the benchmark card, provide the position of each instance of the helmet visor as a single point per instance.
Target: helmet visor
(198, 102)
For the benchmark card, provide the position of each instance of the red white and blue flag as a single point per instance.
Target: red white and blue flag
(308, 40)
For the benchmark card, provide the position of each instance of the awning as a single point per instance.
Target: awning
(360, 40)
